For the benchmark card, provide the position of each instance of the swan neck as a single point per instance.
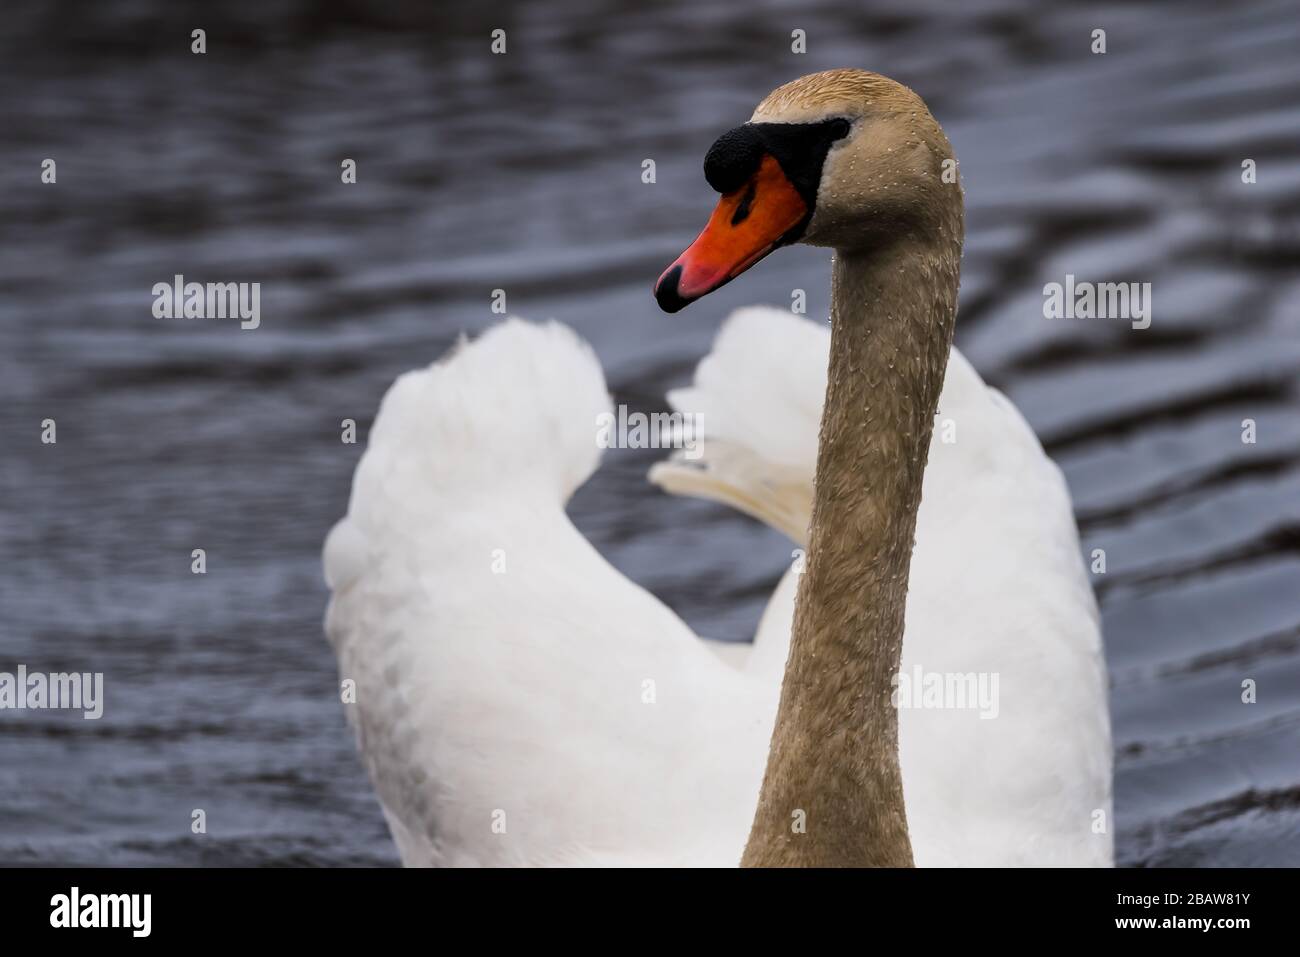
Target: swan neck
(832, 794)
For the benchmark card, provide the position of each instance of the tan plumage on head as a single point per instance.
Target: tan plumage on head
(850, 90)
(888, 175)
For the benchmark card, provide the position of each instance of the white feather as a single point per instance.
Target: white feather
(518, 701)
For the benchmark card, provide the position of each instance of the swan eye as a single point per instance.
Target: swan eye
(801, 150)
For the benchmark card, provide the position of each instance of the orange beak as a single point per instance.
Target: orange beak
(746, 225)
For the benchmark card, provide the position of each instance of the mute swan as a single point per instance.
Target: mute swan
(520, 702)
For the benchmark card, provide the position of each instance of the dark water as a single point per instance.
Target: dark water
(522, 172)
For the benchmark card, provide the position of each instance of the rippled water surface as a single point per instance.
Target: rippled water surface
(523, 172)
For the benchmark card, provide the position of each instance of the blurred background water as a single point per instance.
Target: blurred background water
(523, 172)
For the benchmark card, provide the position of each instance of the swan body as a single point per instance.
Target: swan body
(500, 663)
(927, 688)
(521, 692)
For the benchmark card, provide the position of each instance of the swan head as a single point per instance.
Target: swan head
(846, 159)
